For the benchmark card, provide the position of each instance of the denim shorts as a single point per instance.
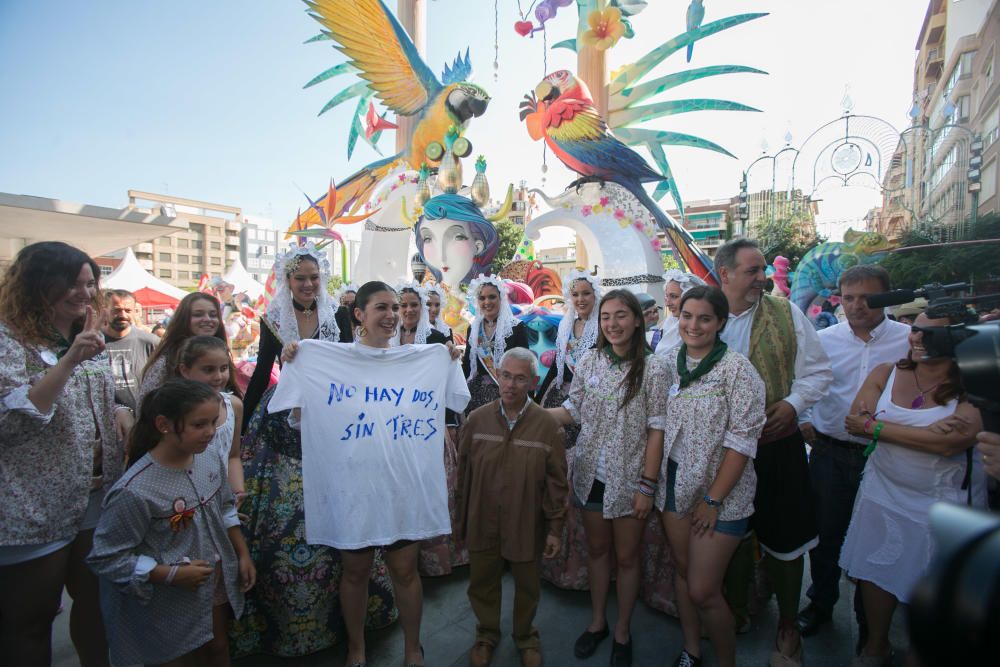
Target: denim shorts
(737, 528)
(595, 501)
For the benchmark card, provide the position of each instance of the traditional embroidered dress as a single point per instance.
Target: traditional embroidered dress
(158, 515)
(568, 569)
(438, 555)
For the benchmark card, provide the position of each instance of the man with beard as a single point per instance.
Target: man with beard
(782, 345)
(128, 346)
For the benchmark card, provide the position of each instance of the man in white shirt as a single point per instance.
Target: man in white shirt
(782, 344)
(855, 347)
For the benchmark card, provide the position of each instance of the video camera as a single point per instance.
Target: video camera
(974, 347)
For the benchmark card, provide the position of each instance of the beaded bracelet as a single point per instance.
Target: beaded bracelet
(649, 493)
(874, 443)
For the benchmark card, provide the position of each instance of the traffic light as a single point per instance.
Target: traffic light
(975, 164)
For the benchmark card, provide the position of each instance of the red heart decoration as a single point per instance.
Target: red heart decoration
(523, 28)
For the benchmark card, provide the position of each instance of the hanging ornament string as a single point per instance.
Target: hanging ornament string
(545, 72)
(496, 40)
(521, 11)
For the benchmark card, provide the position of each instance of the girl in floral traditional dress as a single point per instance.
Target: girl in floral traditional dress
(618, 396)
(168, 546)
(715, 414)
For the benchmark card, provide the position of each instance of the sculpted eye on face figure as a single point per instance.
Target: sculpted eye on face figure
(204, 318)
(409, 309)
(305, 282)
(73, 304)
(583, 298)
(672, 297)
(449, 247)
(488, 302)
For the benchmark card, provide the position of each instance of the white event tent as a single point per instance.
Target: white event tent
(242, 281)
(150, 291)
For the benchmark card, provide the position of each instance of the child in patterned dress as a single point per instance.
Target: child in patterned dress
(168, 546)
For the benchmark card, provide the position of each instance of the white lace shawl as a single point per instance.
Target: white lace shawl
(423, 324)
(439, 323)
(281, 311)
(589, 336)
(505, 322)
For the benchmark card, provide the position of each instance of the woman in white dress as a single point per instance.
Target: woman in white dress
(910, 467)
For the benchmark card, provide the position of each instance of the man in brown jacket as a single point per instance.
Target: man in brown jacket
(511, 504)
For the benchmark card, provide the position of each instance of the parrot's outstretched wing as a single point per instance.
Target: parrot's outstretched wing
(377, 45)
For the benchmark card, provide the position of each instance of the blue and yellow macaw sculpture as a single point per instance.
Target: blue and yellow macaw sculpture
(383, 55)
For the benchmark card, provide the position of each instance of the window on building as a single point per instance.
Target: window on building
(183, 275)
(165, 273)
(105, 270)
(197, 244)
(988, 71)
(990, 125)
(164, 240)
(216, 261)
(988, 178)
(962, 108)
(215, 231)
(183, 243)
(965, 64)
(215, 245)
(182, 259)
(166, 257)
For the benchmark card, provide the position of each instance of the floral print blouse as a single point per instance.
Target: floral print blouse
(594, 397)
(723, 409)
(47, 460)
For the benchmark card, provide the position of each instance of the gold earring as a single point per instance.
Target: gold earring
(363, 332)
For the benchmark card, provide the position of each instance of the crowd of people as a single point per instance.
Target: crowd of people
(190, 523)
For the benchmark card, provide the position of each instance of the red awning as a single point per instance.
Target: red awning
(150, 298)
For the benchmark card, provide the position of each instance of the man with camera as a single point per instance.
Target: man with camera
(855, 347)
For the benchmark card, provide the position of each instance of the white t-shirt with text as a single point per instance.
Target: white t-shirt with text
(373, 423)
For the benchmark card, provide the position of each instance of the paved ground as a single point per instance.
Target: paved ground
(449, 625)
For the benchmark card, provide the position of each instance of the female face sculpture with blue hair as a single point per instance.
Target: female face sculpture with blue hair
(455, 240)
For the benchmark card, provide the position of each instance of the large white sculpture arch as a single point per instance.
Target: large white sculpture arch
(618, 235)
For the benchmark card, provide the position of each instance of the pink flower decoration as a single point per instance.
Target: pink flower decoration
(638, 226)
(587, 210)
(402, 178)
(655, 243)
(604, 201)
(619, 214)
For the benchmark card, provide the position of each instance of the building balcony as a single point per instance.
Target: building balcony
(232, 255)
(233, 241)
(233, 226)
(144, 248)
(934, 63)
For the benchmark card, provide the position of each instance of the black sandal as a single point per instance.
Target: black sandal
(588, 642)
(621, 654)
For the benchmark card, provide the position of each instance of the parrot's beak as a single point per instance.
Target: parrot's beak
(546, 92)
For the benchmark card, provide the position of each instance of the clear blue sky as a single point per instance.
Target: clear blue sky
(204, 99)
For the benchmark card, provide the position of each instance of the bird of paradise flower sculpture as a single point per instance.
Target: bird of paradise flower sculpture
(383, 55)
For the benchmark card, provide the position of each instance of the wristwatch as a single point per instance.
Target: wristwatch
(714, 504)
